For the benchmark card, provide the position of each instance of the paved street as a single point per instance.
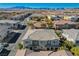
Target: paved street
(14, 48)
(13, 51)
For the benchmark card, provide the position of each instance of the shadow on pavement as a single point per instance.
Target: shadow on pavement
(5, 52)
(14, 38)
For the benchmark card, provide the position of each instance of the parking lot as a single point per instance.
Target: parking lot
(19, 39)
(11, 41)
(4, 52)
(14, 38)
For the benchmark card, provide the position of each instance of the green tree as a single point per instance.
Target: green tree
(49, 23)
(30, 24)
(20, 46)
(61, 48)
(58, 33)
(68, 44)
(75, 51)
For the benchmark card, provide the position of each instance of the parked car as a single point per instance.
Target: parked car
(5, 44)
(1, 47)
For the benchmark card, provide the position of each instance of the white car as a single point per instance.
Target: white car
(1, 47)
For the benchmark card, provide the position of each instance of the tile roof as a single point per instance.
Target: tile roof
(43, 34)
(63, 22)
(72, 33)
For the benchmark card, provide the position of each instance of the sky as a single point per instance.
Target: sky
(41, 5)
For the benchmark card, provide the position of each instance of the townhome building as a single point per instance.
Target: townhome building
(42, 39)
(71, 35)
(14, 24)
(64, 24)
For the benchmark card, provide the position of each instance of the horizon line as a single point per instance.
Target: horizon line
(40, 5)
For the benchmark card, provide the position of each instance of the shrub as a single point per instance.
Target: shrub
(75, 51)
(20, 46)
(67, 44)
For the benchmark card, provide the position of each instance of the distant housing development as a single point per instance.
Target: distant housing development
(27, 31)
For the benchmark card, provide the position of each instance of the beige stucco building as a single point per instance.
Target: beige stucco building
(42, 39)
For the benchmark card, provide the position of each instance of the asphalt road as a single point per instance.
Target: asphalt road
(14, 48)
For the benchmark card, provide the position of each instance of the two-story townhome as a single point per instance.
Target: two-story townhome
(64, 24)
(71, 35)
(14, 24)
(42, 39)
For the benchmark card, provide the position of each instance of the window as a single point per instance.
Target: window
(27, 42)
(30, 48)
(42, 42)
(55, 42)
(48, 42)
(35, 43)
(77, 42)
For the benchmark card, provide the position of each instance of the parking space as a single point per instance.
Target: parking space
(14, 38)
(11, 41)
(5, 52)
(23, 27)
